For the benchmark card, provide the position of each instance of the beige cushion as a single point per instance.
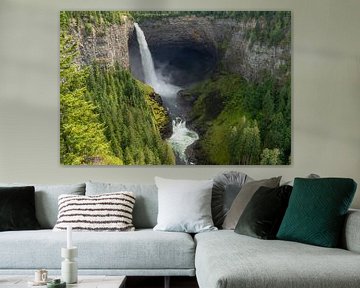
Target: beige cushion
(243, 198)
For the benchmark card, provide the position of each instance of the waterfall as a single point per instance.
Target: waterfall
(182, 137)
(160, 85)
(146, 58)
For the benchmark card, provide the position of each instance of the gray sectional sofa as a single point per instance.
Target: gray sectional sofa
(219, 259)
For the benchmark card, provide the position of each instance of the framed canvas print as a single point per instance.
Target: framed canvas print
(175, 87)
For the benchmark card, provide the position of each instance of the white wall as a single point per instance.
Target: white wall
(326, 90)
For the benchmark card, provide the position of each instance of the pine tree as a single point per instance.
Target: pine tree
(129, 160)
(270, 157)
(249, 146)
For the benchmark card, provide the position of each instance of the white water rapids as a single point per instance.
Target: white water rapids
(182, 137)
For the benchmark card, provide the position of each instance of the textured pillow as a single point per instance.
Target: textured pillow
(243, 198)
(46, 200)
(146, 205)
(317, 209)
(106, 212)
(184, 205)
(263, 215)
(17, 209)
(226, 186)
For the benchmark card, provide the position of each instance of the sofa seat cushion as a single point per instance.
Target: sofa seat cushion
(142, 249)
(226, 259)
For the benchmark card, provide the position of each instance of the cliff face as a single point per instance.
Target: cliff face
(104, 44)
(187, 31)
(249, 60)
(224, 39)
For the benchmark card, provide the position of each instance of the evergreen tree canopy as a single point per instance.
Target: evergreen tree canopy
(82, 139)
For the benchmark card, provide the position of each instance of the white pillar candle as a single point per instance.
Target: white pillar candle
(69, 237)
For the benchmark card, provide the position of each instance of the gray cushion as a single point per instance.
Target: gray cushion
(144, 249)
(243, 198)
(226, 187)
(146, 204)
(247, 262)
(46, 200)
(310, 176)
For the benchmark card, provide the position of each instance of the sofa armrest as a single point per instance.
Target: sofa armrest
(351, 234)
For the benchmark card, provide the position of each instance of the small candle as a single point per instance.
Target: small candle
(69, 239)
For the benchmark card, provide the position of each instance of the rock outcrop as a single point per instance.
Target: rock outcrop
(183, 31)
(250, 60)
(105, 44)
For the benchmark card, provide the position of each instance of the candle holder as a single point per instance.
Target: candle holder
(68, 265)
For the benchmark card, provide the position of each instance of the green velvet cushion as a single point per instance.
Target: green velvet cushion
(263, 215)
(17, 208)
(316, 211)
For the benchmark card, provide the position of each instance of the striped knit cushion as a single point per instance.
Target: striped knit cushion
(105, 212)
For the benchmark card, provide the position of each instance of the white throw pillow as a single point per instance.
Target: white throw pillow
(184, 205)
(104, 212)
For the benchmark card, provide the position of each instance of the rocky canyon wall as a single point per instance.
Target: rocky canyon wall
(224, 39)
(251, 59)
(104, 44)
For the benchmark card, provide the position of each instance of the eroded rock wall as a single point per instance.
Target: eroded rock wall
(224, 38)
(105, 44)
(181, 31)
(251, 60)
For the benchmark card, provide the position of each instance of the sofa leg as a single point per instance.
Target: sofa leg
(167, 282)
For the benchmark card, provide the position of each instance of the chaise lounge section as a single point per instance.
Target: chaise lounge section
(225, 259)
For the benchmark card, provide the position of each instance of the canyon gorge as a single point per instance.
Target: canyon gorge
(190, 52)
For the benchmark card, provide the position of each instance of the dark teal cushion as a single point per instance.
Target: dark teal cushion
(17, 208)
(316, 211)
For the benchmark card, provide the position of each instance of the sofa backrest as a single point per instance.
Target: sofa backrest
(146, 203)
(46, 200)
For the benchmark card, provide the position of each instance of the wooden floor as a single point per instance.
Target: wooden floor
(158, 282)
